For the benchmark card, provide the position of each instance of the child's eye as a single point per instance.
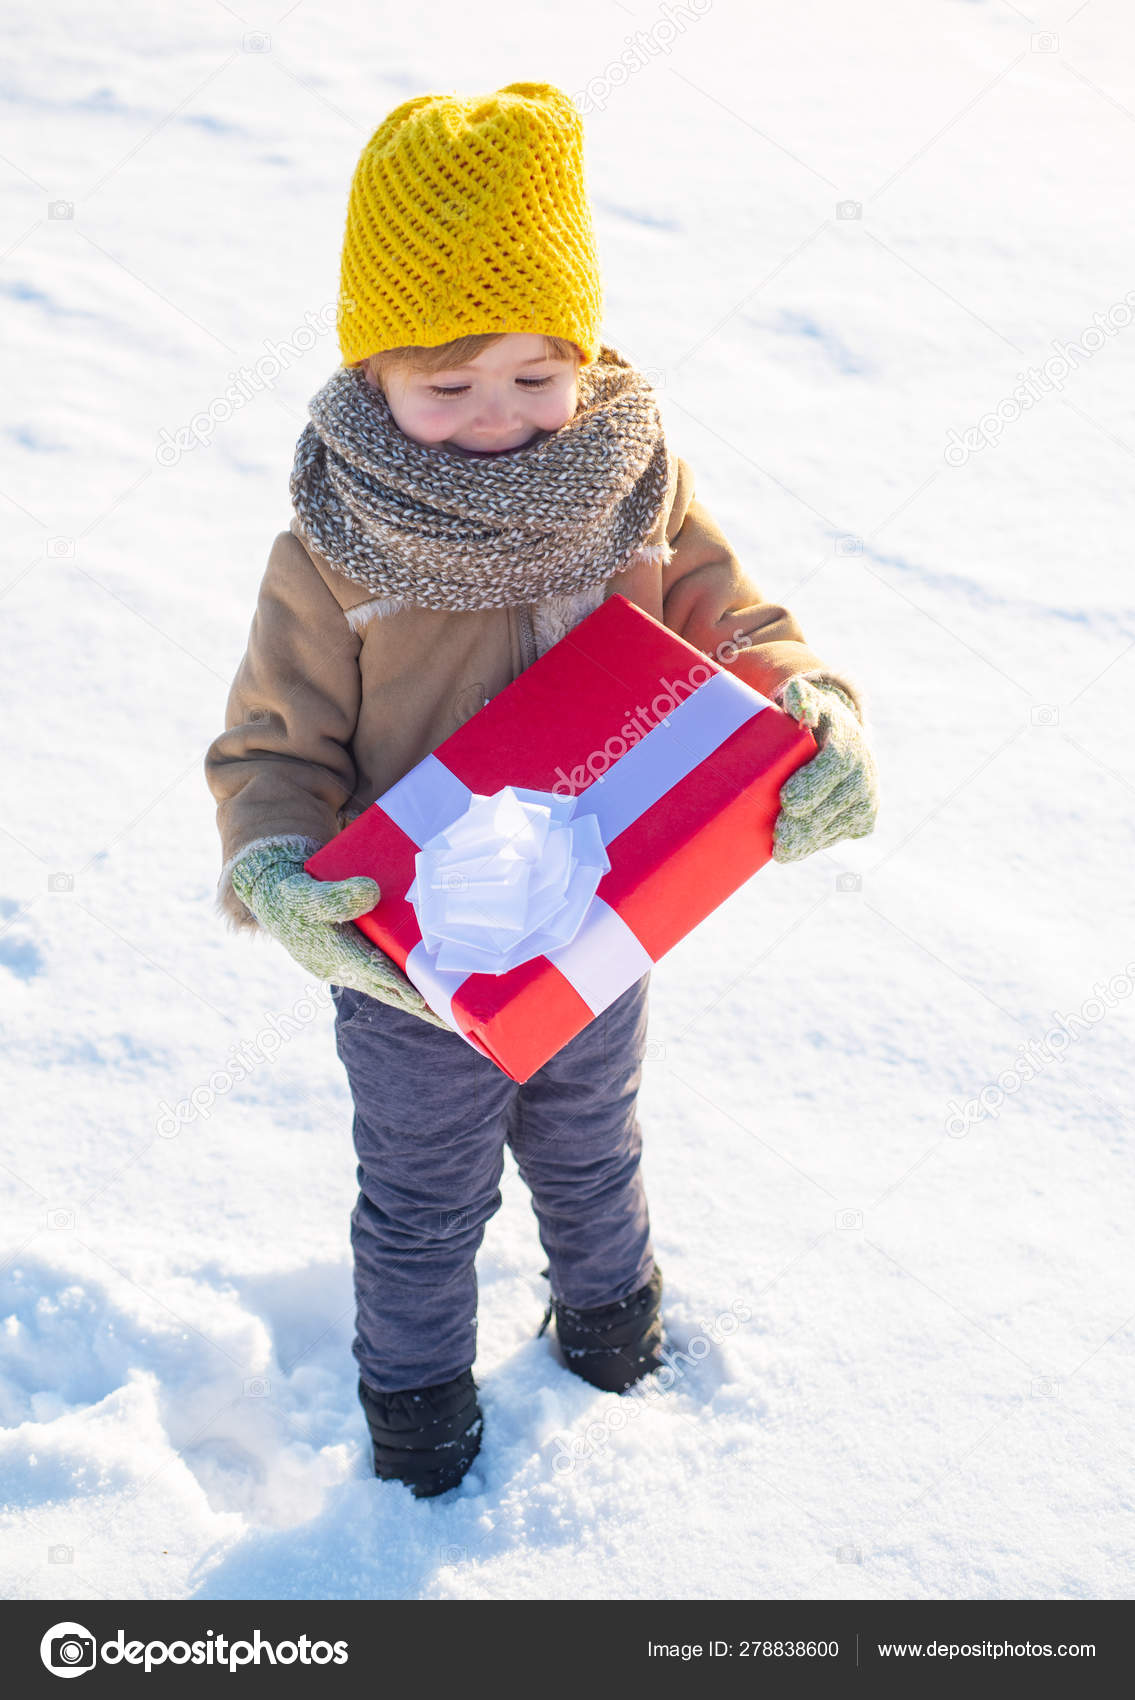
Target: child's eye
(459, 389)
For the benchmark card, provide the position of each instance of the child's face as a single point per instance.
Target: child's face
(500, 401)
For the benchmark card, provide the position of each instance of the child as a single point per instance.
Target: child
(478, 475)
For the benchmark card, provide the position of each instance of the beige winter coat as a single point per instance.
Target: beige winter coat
(340, 693)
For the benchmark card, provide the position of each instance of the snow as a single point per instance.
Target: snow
(924, 1388)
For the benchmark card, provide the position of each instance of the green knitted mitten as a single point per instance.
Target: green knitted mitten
(836, 794)
(312, 920)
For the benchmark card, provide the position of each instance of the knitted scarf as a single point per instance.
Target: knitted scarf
(444, 530)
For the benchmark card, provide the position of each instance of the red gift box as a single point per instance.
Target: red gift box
(680, 762)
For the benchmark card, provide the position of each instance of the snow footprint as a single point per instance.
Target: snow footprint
(61, 1350)
(237, 1424)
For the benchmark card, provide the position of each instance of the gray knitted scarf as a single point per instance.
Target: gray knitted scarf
(446, 530)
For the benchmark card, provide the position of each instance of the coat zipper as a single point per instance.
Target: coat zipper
(527, 635)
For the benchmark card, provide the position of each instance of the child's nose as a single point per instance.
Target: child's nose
(497, 411)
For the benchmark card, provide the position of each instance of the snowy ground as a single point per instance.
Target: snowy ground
(926, 1397)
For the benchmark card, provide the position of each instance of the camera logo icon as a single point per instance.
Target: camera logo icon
(68, 1649)
(849, 544)
(849, 209)
(849, 1219)
(1045, 42)
(60, 882)
(61, 548)
(60, 209)
(256, 42)
(1045, 714)
(849, 882)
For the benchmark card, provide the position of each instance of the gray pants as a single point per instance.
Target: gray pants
(432, 1117)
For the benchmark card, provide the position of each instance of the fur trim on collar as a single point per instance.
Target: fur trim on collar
(363, 612)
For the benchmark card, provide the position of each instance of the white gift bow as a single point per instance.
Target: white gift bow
(509, 879)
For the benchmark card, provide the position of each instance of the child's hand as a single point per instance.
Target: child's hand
(836, 794)
(307, 916)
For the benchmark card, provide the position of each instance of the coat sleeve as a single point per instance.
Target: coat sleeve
(708, 600)
(283, 769)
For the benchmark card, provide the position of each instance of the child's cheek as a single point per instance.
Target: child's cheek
(438, 419)
(556, 410)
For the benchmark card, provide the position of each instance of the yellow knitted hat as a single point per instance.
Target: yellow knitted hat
(470, 216)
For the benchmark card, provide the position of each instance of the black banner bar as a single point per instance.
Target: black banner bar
(249, 1647)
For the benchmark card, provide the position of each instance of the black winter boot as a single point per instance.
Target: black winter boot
(426, 1437)
(614, 1345)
